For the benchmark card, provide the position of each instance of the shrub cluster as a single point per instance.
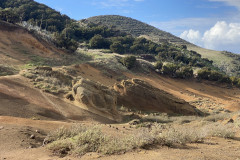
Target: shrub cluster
(175, 70)
(129, 61)
(80, 140)
(213, 75)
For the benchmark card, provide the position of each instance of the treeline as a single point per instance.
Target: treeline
(35, 13)
(186, 72)
(67, 32)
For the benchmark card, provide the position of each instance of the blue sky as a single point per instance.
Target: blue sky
(213, 24)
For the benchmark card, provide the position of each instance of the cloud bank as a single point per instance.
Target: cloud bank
(222, 36)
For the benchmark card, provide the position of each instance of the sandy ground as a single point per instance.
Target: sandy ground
(18, 127)
(15, 143)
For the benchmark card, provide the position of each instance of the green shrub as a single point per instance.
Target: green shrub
(226, 79)
(204, 73)
(158, 65)
(169, 69)
(62, 41)
(184, 72)
(117, 47)
(99, 42)
(215, 76)
(234, 80)
(129, 61)
(5, 70)
(238, 84)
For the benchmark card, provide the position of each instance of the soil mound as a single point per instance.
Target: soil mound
(95, 97)
(140, 95)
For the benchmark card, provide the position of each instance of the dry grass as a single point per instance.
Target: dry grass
(217, 117)
(80, 140)
(48, 80)
(7, 70)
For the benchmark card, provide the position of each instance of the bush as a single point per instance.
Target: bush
(215, 76)
(204, 73)
(184, 72)
(129, 61)
(117, 47)
(169, 69)
(158, 65)
(234, 80)
(226, 79)
(238, 84)
(5, 70)
(99, 42)
(64, 42)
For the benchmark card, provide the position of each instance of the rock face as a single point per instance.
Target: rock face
(140, 95)
(96, 97)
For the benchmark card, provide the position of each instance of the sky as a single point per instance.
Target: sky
(212, 24)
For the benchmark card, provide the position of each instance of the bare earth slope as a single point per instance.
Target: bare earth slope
(19, 99)
(18, 46)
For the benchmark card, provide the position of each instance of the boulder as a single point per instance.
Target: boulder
(138, 94)
(96, 97)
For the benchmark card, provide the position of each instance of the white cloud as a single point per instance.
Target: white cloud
(222, 36)
(192, 36)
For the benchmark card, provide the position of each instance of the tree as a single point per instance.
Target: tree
(158, 65)
(129, 61)
(170, 69)
(99, 42)
(184, 72)
(64, 42)
(204, 73)
(9, 15)
(215, 76)
(117, 47)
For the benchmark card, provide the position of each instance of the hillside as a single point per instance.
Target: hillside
(94, 92)
(136, 28)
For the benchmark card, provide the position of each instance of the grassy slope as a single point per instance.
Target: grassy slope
(137, 28)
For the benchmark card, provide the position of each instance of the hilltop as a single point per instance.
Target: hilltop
(136, 28)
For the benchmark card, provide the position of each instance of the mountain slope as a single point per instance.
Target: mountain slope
(136, 28)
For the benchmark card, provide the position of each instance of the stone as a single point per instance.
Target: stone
(32, 136)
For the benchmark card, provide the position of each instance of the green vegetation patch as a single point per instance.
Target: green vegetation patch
(6, 70)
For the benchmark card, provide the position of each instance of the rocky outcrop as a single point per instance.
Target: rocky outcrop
(138, 94)
(95, 97)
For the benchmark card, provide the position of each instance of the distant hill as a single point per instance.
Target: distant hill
(226, 62)
(136, 28)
